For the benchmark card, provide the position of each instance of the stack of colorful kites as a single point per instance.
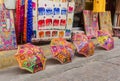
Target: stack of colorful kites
(62, 50)
(31, 58)
(105, 40)
(83, 45)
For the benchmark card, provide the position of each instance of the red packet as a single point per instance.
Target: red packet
(48, 22)
(34, 5)
(41, 23)
(63, 22)
(56, 22)
(70, 9)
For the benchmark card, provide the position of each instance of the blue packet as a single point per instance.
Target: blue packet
(63, 11)
(41, 11)
(56, 11)
(49, 11)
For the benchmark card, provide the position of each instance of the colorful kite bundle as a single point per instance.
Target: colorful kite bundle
(105, 40)
(24, 20)
(62, 50)
(31, 58)
(83, 45)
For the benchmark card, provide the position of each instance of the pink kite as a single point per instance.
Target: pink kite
(83, 45)
(105, 40)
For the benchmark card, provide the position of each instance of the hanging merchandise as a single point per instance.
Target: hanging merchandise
(31, 58)
(43, 20)
(53, 18)
(7, 30)
(35, 25)
(62, 50)
(70, 17)
(105, 40)
(20, 14)
(99, 5)
(105, 22)
(83, 44)
(90, 23)
(17, 22)
(29, 21)
(25, 22)
(118, 6)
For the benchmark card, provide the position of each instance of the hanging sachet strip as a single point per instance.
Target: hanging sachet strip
(25, 22)
(29, 21)
(17, 27)
(22, 13)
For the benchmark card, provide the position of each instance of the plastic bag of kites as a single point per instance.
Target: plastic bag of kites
(31, 58)
(105, 40)
(83, 44)
(62, 50)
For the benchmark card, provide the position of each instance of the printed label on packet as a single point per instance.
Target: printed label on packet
(48, 34)
(63, 22)
(70, 9)
(56, 11)
(41, 34)
(63, 11)
(49, 11)
(61, 33)
(56, 22)
(41, 11)
(54, 33)
(41, 23)
(68, 33)
(48, 22)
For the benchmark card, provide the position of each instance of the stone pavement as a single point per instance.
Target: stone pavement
(102, 66)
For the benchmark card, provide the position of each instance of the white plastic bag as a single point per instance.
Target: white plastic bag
(10, 4)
